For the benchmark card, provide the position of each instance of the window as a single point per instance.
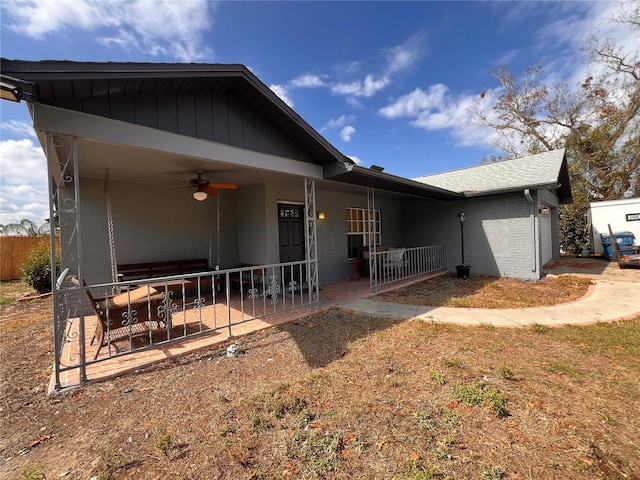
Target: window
(357, 231)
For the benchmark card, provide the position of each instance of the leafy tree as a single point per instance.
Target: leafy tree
(25, 227)
(598, 123)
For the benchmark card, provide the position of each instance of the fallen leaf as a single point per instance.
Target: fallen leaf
(349, 437)
(40, 440)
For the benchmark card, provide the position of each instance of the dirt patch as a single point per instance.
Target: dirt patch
(484, 291)
(335, 395)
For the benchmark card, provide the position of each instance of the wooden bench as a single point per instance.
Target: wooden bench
(167, 268)
(139, 271)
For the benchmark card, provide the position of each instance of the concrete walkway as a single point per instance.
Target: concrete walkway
(614, 295)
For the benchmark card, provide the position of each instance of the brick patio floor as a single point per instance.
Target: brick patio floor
(217, 335)
(212, 320)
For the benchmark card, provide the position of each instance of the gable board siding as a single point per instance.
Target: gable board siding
(167, 113)
(146, 111)
(122, 108)
(220, 114)
(210, 116)
(204, 117)
(186, 104)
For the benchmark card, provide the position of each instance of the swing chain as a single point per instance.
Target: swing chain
(218, 230)
(110, 229)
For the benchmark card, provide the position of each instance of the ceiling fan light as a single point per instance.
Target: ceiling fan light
(200, 196)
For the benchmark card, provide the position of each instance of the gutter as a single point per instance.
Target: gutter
(527, 195)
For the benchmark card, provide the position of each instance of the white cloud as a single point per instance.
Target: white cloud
(347, 132)
(19, 128)
(367, 88)
(283, 92)
(416, 102)
(339, 122)
(308, 81)
(23, 182)
(401, 58)
(160, 27)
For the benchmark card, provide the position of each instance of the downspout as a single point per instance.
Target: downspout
(527, 195)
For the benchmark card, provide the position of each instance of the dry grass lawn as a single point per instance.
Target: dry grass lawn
(484, 291)
(334, 395)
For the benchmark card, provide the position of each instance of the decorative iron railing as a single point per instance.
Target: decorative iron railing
(151, 312)
(398, 264)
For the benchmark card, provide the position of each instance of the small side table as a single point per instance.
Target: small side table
(355, 269)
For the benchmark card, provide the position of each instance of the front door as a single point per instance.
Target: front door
(291, 231)
(291, 228)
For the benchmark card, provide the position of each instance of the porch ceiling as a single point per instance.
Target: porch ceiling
(139, 165)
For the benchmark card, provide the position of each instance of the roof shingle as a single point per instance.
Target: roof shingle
(542, 169)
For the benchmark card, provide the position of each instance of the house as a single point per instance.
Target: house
(154, 165)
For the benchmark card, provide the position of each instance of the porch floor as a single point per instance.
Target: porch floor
(333, 294)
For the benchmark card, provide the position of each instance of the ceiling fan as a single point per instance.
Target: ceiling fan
(204, 187)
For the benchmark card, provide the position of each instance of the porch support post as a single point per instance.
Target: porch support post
(64, 211)
(371, 240)
(311, 239)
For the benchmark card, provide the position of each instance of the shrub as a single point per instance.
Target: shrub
(36, 271)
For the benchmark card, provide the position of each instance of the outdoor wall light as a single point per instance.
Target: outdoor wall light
(544, 211)
(462, 217)
(320, 215)
(200, 196)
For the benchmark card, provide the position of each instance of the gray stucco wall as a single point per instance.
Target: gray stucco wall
(332, 232)
(252, 231)
(153, 224)
(502, 233)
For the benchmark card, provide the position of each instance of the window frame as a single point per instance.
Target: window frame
(357, 220)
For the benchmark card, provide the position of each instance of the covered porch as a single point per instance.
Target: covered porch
(259, 247)
(207, 329)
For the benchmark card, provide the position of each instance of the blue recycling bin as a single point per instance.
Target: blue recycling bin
(623, 239)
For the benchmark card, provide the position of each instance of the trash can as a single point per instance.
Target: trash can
(623, 239)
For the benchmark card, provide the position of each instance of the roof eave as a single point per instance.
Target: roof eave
(364, 177)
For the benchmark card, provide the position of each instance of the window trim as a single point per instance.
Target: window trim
(361, 219)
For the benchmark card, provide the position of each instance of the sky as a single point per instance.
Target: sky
(387, 83)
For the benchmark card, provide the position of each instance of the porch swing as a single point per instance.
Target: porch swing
(122, 312)
(150, 270)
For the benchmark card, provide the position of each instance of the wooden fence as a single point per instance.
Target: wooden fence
(14, 251)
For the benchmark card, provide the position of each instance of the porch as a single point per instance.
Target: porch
(203, 328)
